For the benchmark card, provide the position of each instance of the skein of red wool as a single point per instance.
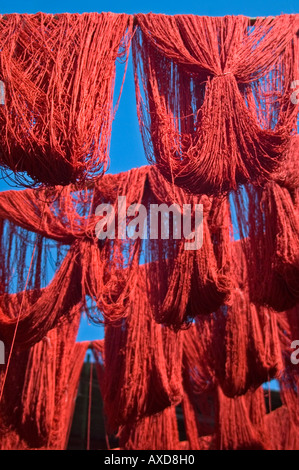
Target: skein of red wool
(58, 76)
(142, 364)
(155, 432)
(269, 227)
(182, 282)
(238, 427)
(213, 95)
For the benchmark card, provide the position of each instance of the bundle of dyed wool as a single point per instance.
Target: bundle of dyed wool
(289, 379)
(198, 433)
(36, 223)
(245, 349)
(111, 257)
(281, 431)
(187, 276)
(38, 394)
(108, 237)
(213, 96)
(58, 74)
(240, 422)
(211, 419)
(268, 224)
(158, 431)
(142, 363)
(287, 175)
(213, 369)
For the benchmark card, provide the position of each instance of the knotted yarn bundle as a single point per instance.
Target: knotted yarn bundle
(58, 75)
(214, 96)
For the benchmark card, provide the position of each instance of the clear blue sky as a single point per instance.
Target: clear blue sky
(215, 8)
(126, 147)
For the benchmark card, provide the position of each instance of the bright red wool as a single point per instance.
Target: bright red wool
(214, 95)
(59, 73)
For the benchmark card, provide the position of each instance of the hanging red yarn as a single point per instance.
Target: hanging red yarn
(50, 386)
(10, 413)
(240, 421)
(10, 440)
(246, 351)
(40, 391)
(287, 175)
(110, 265)
(59, 73)
(202, 276)
(213, 278)
(41, 310)
(159, 431)
(191, 426)
(156, 432)
(269, 226)
(213, 96)
(144, 369)
(289, 379)
(198, 374)
(184, 282)
(237, 429)
(142, 364)
(283, 435)
(106, 269)
(245, 346)
(238, 346)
